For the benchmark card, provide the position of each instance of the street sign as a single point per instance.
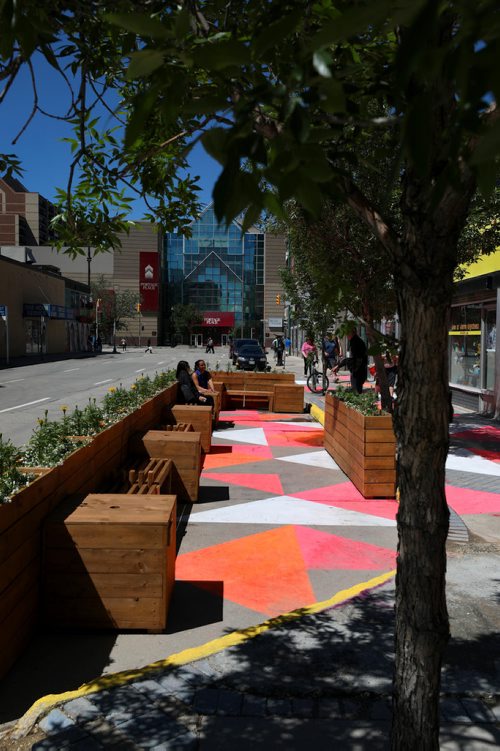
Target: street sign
(275, 323)
(3, 312)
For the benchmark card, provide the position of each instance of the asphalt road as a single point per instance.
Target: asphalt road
(28, 390)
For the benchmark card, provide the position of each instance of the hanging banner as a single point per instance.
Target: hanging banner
(149, 280)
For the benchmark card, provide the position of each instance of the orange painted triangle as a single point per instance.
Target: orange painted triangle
(268, 483)
(237, 455)
(264, 572)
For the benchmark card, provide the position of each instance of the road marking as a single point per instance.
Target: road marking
(28, 404)
(141, 370)
(70, 370)
(106, 381)
(14, 380)
(161, 362)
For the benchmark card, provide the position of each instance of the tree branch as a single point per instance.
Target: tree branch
(364, 209)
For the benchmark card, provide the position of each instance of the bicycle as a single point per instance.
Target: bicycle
(317, 381)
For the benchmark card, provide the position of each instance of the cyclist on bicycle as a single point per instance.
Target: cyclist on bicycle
(309, 353)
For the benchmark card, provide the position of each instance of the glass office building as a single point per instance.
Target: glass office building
(220, 271)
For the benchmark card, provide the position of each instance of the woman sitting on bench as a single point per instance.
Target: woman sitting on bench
(203, 379)
(189, 391)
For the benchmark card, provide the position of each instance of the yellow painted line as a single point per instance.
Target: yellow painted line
(318, 413)
(45, 703)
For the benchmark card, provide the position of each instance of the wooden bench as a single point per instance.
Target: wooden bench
(185, 451)
(278, 391)
(109, 562)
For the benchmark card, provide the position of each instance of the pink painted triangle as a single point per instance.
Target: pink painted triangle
(268, 483)
(466, 501)
(325, 551)
(342, 491)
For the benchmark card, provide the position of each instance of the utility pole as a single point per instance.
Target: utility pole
(89, 261)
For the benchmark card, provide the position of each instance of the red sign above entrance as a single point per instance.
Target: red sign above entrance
(218, 319)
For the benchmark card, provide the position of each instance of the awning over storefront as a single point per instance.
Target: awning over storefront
(47, 310)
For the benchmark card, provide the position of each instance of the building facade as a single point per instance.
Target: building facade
(43, 312)
(25, 216)
(230, 277)
(474, 360)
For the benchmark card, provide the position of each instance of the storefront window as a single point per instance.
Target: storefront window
(490, 347)
(465, 346)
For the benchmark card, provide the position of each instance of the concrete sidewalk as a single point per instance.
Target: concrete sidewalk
(318, 671)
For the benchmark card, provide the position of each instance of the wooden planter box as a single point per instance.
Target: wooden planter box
(185, 451)
(21, 521)
(200, 418)
(109, 562)
(363, 447)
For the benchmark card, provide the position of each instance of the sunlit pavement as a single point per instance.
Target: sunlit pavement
(279, 529)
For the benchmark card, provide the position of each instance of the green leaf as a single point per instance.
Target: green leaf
(321, 61)
(332, 95)
(140, 24)
(488, 146)
(214, 141)
(143, 63)
(182, 23)
(276, 32)
(220, 55)
(310, 196)
(252, 216)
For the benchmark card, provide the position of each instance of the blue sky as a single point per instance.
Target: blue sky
(44, 157)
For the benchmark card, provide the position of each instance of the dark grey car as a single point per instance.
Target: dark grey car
(251, 357)
(239, 343)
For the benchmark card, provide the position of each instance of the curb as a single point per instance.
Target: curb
(43, 705)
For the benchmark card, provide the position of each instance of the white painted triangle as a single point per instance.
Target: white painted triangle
(300, 383)
(250, 435)
(319, 458)
(466, 461)
(288, 510)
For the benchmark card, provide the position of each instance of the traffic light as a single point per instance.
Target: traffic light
(138, 307)
(278, 299)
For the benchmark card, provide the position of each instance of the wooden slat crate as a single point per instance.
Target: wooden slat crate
(109, 562)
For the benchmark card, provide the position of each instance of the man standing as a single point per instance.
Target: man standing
(210, 345)
(280, 348)
(356, 361)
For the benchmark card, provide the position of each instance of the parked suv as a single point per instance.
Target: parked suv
(251, 357)
(238, 344)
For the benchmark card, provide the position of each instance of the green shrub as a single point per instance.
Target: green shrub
(366, 403)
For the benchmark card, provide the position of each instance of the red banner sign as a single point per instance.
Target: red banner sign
(218, 318)
(149, 280)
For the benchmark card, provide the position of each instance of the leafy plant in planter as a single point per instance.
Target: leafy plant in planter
(11, 478)
(364, 403)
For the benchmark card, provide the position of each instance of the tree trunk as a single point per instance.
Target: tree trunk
(421, 420)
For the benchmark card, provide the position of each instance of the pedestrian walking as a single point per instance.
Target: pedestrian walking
(124, 345)
(149, 348)
(210, 345)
